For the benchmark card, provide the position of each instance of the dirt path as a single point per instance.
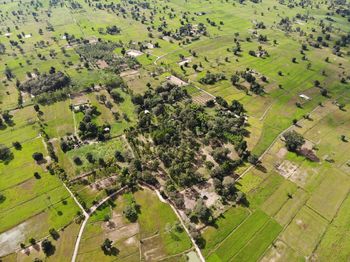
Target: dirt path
(87, 216)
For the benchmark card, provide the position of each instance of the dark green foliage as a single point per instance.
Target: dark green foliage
(104, 51)
(293, 140)
(55, 235)
(210, 78)
(131, 211)
(108, 249)
(45, 83)
(47, 247)
(202, 212)
(37, 156)
(5, 153)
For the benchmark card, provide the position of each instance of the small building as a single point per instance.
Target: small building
(134, 53)
(304, 97)
(150, 45)
(102, 64)
(185, 61)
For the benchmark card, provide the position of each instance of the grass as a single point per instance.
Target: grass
(104, 150)
(274, 203)
(224, 225)
(265, 189)
(22, 166)
(163, 242)
(304, 231)
(63, 247)
(259, 243)
(329, 195)
(282, 251)
(58, 119)
(239, 237)
(334, 244)
(291, 207)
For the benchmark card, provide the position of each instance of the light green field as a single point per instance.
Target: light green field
(58, 119)
(223, 227)
(304, 231)
(334, 245)
(238, 238)
(104, 150)
(311, 206)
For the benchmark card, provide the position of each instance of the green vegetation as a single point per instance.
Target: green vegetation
(235, 113)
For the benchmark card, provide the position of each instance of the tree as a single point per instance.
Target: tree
(2, 198)
(108, 249)
(235, 79)
(55, 235)
(47, 247)
(202, 212)
(36, 108)
(119, 156)
(253, 159)
(32, 241)
(130, 212)
(37, 156)
(220, 154)
(90, 157)
(77, 160)
(293, 140)
(5, 153)
(116, 96)
(17, 145)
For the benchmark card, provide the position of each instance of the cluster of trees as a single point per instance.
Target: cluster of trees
(91, 53)
(188, 30)
(211, 78)
(99, 50)
(6, 117)
(178, 131)
(113, 30)
(90, 130)
(254, 86)
(69, 143)
(108, 248)
(45, 83)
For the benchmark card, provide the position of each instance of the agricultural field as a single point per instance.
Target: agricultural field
(146, 239)
(176, 130)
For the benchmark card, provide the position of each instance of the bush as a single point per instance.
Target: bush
(38, 156)
(77, 160)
